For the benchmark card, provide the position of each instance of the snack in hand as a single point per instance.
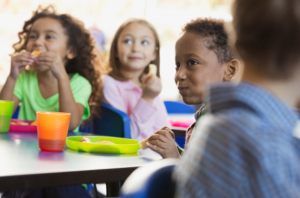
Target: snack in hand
(143, 143)
(152, 69)
(87, 140)
(105, 142)
(35, 53)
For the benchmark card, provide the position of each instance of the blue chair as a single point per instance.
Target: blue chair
(16, 113)
(176, 107)
(112, 122)
(151, 181)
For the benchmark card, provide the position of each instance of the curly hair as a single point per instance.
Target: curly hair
(114, 62)
(88, 62)
(216, 38)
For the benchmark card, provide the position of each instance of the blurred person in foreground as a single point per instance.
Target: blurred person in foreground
(245, 145)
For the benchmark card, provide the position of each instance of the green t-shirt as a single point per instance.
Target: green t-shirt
(28, 92)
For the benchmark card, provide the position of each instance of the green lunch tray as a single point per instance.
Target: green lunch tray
(121, 146)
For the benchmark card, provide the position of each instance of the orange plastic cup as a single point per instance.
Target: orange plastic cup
(52, 130)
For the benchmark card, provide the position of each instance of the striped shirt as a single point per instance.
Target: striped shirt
(244, 147)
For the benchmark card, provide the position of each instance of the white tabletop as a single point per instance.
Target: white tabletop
(26, 166)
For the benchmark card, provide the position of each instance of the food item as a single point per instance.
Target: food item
(143, 144)
(34, 123)
(14, 122)
(105, 142)
(35, 53)
(152, 69)
(86, 140)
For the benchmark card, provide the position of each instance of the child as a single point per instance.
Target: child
(203, 57)
(245, 145)
(61, 76)
(129, 87)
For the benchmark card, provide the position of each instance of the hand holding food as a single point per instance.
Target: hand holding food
(143, 143)
(151, 86)
(18, 63)
(54, 62)
(163, 142)
(152, 69)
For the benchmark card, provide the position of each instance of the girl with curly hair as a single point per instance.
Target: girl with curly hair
(63, 77)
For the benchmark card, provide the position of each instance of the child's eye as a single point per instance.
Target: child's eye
(49, 37)
(145, 43)
(32, 36)
(128, 41)
(177, 66)
(192, 62)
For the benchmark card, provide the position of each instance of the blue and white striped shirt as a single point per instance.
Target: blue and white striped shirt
(243, 147)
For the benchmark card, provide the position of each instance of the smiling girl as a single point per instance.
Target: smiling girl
(129, 87)
(61, 76)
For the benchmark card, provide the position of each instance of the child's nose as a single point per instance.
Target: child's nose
(180, 75)
(38, 41)
(136, 46)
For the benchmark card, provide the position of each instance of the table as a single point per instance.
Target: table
(23, 165)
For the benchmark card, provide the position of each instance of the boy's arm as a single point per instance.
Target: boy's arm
(7, 92)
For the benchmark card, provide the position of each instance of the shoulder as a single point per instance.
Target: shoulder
(78, 80)
(234, 129)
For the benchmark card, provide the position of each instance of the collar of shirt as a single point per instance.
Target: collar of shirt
(255, 99)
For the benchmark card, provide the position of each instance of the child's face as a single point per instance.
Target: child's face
(196, 67)
(136, 47)
(47, 34)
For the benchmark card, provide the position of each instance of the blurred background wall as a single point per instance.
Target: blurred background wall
(103, 17)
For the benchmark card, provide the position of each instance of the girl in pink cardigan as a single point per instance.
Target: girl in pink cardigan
(129, 86)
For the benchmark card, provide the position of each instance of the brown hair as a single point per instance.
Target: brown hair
(268, 35)
(114, 62)
(216, 38)
(87, 62)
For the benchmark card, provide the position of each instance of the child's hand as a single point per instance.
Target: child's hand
(163, 142)
(54, 62)
(151, 86)
(18, 63)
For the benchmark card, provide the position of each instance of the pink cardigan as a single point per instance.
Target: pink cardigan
(145, 118)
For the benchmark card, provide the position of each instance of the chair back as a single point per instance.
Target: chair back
(178, 107)
(112, 122)
(151, 181)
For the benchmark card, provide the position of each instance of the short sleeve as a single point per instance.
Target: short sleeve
(18, 91)
(81, 89)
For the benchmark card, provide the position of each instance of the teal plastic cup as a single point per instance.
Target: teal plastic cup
(6, 111)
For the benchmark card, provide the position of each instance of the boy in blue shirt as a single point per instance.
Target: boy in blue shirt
(245, 145)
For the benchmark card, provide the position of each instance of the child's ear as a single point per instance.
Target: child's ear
(232, 70)
(71, 53)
